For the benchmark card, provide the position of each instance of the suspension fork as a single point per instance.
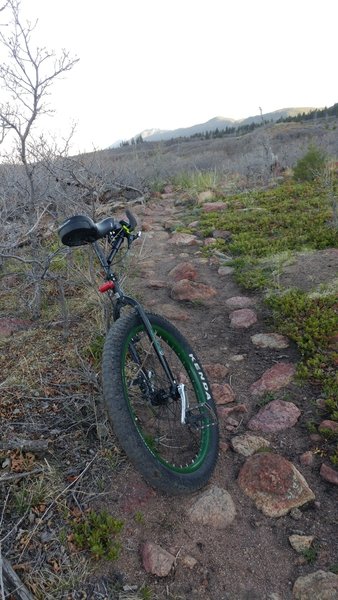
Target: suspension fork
(150, 332)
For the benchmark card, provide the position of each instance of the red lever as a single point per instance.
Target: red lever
(106, 286)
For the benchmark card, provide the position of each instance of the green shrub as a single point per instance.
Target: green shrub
(95, 533)
(311, 322)
(311, 166)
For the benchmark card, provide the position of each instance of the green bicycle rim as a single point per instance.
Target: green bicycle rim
(198, 389)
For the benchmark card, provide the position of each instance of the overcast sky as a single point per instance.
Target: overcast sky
(175, 63)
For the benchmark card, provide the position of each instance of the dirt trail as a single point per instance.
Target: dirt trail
(251, 559)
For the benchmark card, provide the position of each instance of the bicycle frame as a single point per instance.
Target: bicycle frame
(123, 300)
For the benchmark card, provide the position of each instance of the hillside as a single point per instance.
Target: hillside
(250, 155)
(156, 135)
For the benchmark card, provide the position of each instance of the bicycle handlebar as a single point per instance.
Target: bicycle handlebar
(132, 221)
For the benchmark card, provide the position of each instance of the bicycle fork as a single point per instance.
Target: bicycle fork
(176, 389)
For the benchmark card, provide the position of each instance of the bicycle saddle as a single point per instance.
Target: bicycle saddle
(80, 230)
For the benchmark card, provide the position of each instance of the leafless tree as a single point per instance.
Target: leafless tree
(25, 79)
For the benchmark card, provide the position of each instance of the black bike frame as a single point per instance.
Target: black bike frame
(123, 300)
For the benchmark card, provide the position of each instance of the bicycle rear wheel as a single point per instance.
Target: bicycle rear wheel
(145, 409)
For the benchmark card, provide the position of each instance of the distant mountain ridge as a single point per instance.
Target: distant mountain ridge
(219, 122)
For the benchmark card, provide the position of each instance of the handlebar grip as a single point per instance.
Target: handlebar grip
(131, 219)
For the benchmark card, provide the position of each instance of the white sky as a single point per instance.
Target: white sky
(175, 63)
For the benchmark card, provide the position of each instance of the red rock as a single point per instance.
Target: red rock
(274, 484)
(222, 393)
(239, 302)
(320, 585)
(221, 234)
(186, 290)
(156, 284)
(214, 206)
(224, 446)
(184, 239)
(226, 411)
(243, 318)
(270, 340)
(329, 474)
(156, 560)
(275, 416)
(9, 325)
(139, 494)
(307, 459)
(172, 312)
(223, 271)
(280, 375)
(214, 508)
(248, 444)
(330, 425)
(209, 241)
(184, 270)
(203, 196)
(231, 424)
(216, 371)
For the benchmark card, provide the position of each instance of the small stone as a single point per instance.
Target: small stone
(329, 474)
(183, 239)
(239, 302)
(223, 393)
(156, 560)
(186, 290)
(307, 459)
(329, 425)
(320, 585)
(156, 284)
(237, 357)
(296, 514)
(224, 446)
(214, 508)
(209, 241)
(315, 438)
(270, 340)
(172, 312)
(224, 412)
(189, 561)
(248, 444)
(9, 325)
(204, 196)
(220, 234)
(243, 318)
(300, 543)
(184, 270)
(214, 206)
(275, 416)
(274, 484)
(223, 271)
(216, 371)
(280, 375)
(231, 424)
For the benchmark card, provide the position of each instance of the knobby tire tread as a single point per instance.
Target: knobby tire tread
(153, 471)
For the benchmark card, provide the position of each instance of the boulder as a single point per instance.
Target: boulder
(320, 585)
(214, 508)
(274, 484)
(186, 290)
(278, 376)
(275, 416)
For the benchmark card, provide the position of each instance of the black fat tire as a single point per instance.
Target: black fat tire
(155, 471)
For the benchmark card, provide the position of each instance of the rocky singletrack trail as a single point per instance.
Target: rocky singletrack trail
(268, 515)
(264, 528)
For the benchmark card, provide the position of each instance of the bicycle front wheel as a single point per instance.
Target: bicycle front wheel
(145, 409)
